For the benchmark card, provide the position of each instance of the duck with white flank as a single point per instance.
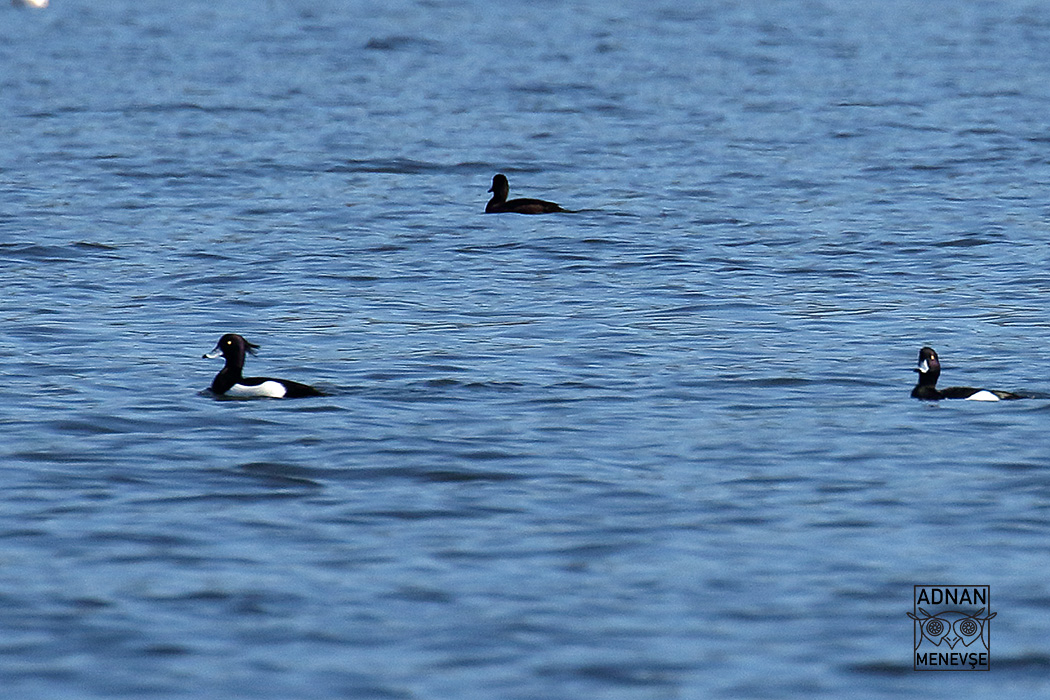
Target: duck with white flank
(230, 382)
(929, 370)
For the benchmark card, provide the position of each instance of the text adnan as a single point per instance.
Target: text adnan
(954, 595)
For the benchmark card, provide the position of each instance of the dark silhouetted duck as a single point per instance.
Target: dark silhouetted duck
(499, 204)
(229, 382)
(929, 370)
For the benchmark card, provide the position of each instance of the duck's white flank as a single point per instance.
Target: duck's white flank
(270, 389)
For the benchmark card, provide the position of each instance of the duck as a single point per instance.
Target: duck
(499, 204)
(929, 370)
(230, 382)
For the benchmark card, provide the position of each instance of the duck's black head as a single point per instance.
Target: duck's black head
(500, 187)
(233, 347)
(929, 366)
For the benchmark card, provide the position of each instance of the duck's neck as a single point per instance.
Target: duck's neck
(929, 378)
(229, 375)
(496, 202)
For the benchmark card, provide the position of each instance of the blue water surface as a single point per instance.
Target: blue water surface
(662, 447)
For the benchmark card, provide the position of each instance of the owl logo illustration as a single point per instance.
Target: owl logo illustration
(952, 627)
